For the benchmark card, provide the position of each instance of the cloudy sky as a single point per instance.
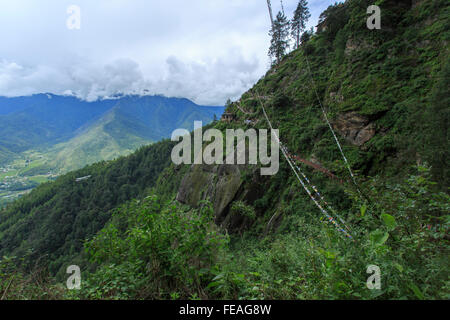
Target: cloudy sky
(204, 50)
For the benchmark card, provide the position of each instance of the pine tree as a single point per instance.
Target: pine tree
(298, 24)
(280, 42)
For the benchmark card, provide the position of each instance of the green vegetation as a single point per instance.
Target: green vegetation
(22, 175)
(240, 208)
(42, 148)
(168, 250)
(298, 23)
(279, 34)
(154, 250)
(386, 93)
(109, 138)
(74, 210)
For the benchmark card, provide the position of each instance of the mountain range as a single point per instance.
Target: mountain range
(76, 132)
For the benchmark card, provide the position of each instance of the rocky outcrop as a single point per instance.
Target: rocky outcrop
(222, 185)
(355, 128)
(218, 183)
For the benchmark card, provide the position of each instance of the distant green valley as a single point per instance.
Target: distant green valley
(43, 136)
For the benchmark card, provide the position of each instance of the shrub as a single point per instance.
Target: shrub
(240, 208)
(166, 251)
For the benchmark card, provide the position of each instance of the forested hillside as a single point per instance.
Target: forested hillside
(51, 223)
(43, 136)
(225, 232)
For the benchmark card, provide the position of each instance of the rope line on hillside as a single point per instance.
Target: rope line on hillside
(295, 158)
(318, 194)
(238, 105)
(331, 127)
(304, 185)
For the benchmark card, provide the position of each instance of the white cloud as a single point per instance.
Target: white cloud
(205, 50)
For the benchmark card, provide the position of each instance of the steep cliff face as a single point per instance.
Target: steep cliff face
(222, 185)
(219, 184)
(386, 95)
(376, 87)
